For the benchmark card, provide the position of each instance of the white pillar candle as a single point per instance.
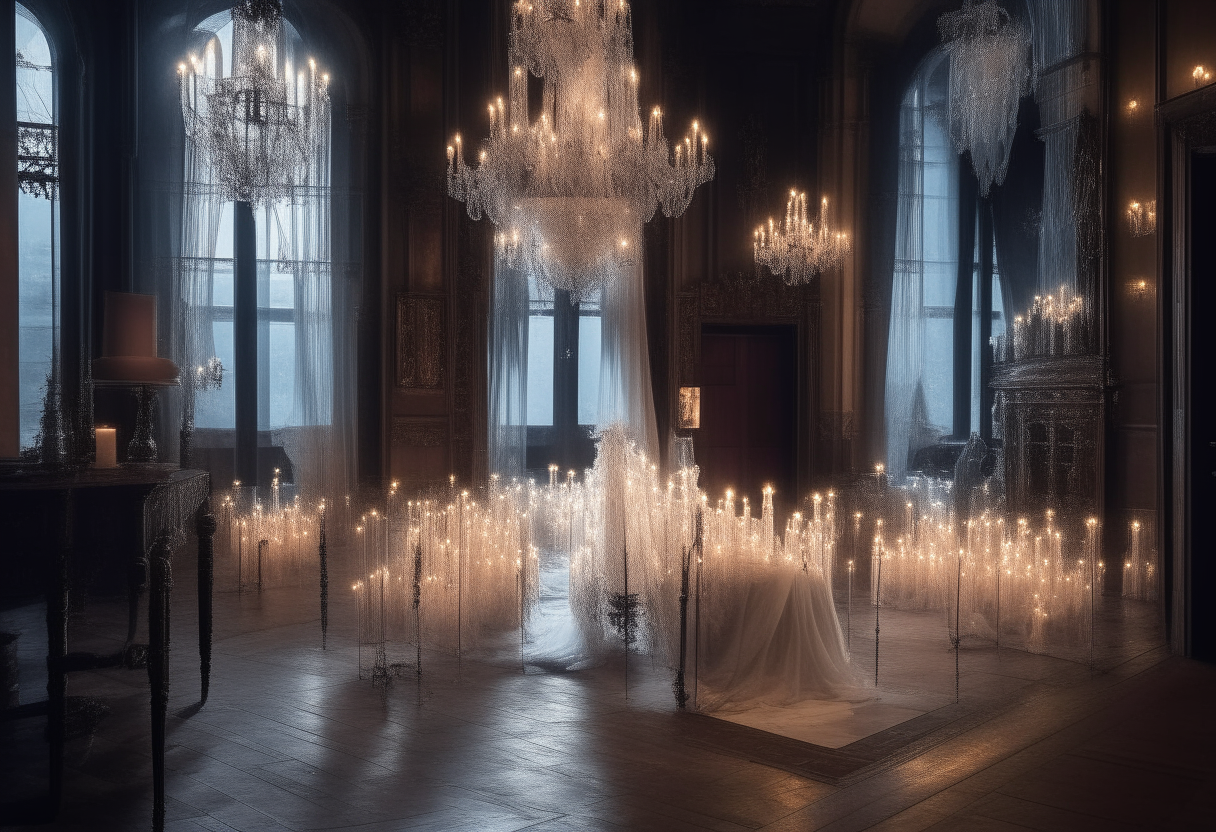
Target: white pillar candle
(107, 448)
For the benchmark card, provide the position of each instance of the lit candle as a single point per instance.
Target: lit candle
(107, 448)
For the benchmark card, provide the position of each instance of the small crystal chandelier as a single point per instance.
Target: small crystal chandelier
(570, 192)
(259, 125)
(797, 250)
(990, 71)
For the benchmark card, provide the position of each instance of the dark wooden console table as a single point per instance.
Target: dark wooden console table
(161, 499)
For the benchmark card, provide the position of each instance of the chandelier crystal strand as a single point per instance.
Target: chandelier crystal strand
(570, 192)
(990, 71)
(797, 249)
(259, 125)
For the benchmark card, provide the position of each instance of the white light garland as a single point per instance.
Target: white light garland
(797, 249)
(570, 191)
(990, 71)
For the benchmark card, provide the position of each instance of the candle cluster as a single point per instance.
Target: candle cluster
(1141, 217)
(1006, 580)
(450, 574)
(268, 545)
(640, 533)
(1056, 326)
(1140, 567)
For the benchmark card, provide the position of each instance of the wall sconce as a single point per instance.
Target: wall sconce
(1133, 109)
(1142, 217)
(1201, 76)
(1140, 289)
(690, 408)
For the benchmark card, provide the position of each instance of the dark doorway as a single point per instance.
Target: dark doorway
(749, 412)
(1202, 418)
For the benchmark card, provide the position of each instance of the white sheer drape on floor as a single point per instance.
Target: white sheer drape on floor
(508, 371)
(626, 396)
(926, 257)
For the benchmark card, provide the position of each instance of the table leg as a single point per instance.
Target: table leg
(158, 668)
(57, 599)
(206, 573)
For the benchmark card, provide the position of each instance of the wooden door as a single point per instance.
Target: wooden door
(749, 412)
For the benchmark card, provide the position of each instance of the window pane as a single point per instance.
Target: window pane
(221, 283)
(217, 408)
(37, 311)
(282, 291)
(540, 370)
(998, 303)
(282, 377)
(939, 372)
(35, 78)
(223, 236)
(588, 369)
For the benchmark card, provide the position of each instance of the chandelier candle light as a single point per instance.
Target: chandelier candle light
(797, 250)
(990, 71)
(258, 124)
(570, 192)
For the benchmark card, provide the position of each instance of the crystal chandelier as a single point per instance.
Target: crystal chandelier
(570, 192)
(990, 71)
(797, 250)
(259, 125)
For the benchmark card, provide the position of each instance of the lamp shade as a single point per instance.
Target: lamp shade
(128, 343)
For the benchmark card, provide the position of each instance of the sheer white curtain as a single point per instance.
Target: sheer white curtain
(626, 395)
(193, 341)
(1059, 28)
(319, 436)
(919, 347)
(314, 420)
(508, 371)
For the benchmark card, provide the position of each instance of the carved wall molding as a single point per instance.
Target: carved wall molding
(411, 432)
(746, 297)
(421, 341)
(688, 330)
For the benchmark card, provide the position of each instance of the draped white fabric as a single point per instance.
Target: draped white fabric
(774, 640)
(626, 396)
(926, 257)
(1059, 35)
(193, 342)
(508, 371)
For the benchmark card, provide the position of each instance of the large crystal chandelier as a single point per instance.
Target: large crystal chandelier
(570, 192)
(798, 249)
(258, 125)
(990, 71)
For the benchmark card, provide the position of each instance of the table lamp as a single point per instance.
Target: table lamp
(129, 359)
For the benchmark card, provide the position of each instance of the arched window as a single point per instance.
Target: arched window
(38, 218)
(937, 367)
(294, 327)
